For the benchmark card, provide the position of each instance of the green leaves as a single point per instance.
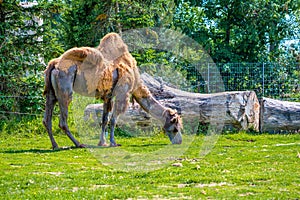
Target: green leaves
(248, 31)
(229, 31)
(27, 41)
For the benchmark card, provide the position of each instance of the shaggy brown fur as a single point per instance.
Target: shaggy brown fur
(88, 60)
(142, 91)
(114, 49)
(98, 64)
(98, 70)
(112, 46)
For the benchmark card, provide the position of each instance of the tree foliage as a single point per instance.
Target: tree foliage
(84, 23)
(26, 40)
(241, 31)
(229, 31)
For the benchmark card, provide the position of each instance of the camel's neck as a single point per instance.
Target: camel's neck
(152, 106)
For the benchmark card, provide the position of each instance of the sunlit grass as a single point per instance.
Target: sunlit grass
(240, 165)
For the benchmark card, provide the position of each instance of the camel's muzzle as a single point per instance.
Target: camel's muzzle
(175, 138)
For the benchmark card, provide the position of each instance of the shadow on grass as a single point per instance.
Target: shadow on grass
(146, 145)
(130, 145)
(16, 151)
(41, 151)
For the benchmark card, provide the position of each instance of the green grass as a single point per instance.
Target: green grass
(240, 166)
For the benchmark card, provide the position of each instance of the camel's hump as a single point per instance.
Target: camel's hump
(112, 46)
(86, 57)
(53, 62)
(82, 53)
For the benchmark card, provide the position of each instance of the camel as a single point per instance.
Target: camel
(108, 72)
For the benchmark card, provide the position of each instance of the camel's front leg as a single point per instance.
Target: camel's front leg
(106, 109)
(113, 123)
(121, 103)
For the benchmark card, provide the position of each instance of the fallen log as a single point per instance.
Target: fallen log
(279, 116)
(134, 117)
(239, 110)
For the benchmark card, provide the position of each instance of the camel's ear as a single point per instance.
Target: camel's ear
(175, 118)
(172, 115)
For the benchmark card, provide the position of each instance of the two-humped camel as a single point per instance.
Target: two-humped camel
(108, 72)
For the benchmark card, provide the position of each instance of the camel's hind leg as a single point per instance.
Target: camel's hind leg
(63, 122)
(47, 121)
(63, 86)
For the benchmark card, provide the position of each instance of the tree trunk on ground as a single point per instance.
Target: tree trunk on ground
(134, 118)
(277, 116)
(239, 110)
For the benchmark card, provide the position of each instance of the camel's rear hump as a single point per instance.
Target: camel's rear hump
(51, 65)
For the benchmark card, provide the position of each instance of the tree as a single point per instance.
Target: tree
(235, 31)
(86, 22)
(26, 40)
(79, 23)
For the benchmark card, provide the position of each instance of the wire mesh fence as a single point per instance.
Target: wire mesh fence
(23, 95)
(266, 79)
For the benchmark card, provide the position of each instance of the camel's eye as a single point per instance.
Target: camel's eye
(174, 120)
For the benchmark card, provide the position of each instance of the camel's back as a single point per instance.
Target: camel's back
(96, 68)
(83, 57)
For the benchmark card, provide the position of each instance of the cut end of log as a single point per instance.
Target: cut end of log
(279, 116)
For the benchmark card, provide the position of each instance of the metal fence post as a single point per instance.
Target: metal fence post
(208, 89)
(263, 80)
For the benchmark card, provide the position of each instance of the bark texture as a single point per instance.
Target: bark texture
(278, 116)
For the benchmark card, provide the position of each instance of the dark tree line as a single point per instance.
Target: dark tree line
(228, 30)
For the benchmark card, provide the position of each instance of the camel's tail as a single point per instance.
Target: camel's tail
(47, 72)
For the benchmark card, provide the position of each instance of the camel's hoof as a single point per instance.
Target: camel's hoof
(56, 148)
(81, 146)
(115, 145)
(102, 144)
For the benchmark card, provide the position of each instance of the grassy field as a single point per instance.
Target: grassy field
(239, 166)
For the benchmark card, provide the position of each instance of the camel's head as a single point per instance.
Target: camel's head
(173, 126)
